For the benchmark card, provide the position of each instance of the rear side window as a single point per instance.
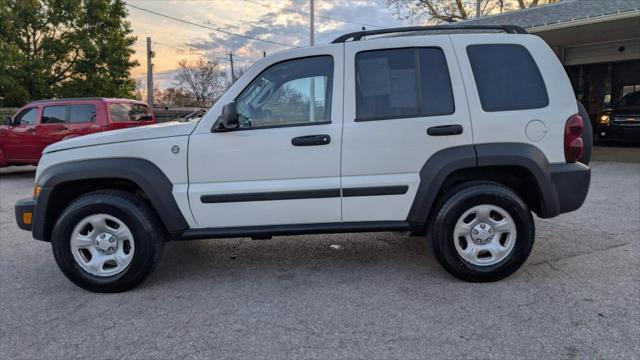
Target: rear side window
(401, 83)
(82, 113)
(507, 77)
(54, 114)
(126, 112)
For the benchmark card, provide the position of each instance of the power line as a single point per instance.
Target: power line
(320, 16)
(208, 27)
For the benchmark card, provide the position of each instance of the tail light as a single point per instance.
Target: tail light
(573, 143)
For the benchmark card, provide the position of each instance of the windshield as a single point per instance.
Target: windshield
(630, 100)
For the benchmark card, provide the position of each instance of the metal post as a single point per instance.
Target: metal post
(149, 73)
(478, 8)
(233, 74)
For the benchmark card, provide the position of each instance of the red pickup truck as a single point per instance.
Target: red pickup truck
(44, 122)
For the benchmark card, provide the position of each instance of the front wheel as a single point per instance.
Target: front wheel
(107, 241)
(483, 232)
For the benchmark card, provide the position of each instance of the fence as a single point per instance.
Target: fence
(6, 113)
(168, 114)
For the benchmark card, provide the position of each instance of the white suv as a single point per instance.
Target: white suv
(454, 134)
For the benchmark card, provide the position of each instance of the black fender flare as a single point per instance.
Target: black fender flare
(443, 163)
(146, 175)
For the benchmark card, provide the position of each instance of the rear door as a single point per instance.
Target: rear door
(53, 125)
(82, 118)
(396, 90)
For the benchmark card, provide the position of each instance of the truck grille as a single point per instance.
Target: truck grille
(627, 120)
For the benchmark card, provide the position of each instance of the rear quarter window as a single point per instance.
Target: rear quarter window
(507, 77)
(128, 112)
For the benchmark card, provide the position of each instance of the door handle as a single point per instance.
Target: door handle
(445, 130)
(311, 140)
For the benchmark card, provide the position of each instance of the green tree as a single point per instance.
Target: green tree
(64, 48)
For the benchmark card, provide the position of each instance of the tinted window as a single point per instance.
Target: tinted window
(437, 96)
(26, 117)
(630, 100)
(288, 93)
(125, 112)
(402, 83)
(54, 114)
(507, 77)
(82, 113)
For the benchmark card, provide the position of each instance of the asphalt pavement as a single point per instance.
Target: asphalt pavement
(371, 296)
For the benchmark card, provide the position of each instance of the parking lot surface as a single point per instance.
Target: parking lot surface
(376, 295)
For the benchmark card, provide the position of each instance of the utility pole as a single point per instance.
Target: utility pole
(312, 83)
(150, 55)
(233, 74)
(478, 8)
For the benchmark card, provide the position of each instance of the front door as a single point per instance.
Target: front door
(19, 140)
(282, 165)
(404, 101)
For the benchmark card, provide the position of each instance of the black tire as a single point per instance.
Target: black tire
(148, 234)
(463, 198)
(587, 136)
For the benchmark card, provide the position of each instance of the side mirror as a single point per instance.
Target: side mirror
(7, 121)
(229, 118)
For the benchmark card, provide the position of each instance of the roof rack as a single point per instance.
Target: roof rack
(66, 99)
(355, 36)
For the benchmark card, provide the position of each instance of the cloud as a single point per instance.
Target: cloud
(283, 21)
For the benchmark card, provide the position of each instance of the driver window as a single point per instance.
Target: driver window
(26, 117)
(294, 92)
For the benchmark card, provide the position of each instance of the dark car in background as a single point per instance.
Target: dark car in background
(41, 123)
(622, 121)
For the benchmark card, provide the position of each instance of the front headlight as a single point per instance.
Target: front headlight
(604, 119)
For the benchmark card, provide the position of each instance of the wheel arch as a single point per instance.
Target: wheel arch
(520, 166)
(75, 177)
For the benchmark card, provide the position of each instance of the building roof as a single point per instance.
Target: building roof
(565, 11)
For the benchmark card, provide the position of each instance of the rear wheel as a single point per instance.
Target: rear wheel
(483, 232)
(107, 241)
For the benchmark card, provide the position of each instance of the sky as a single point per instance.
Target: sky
(285, 23)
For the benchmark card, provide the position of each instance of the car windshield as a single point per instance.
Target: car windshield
(630, 100)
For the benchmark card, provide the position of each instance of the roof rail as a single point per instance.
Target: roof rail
(509, 29)
(66, 99)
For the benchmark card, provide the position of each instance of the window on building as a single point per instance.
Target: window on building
(402, 83)
(507, 77)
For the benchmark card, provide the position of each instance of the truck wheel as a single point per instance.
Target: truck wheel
(483, 232)
(107, 241)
